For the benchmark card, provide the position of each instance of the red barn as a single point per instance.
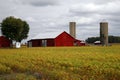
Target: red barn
(63, 39)
(4, 42)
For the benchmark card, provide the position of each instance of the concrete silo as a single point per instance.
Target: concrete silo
(72, 27)
(104, 33)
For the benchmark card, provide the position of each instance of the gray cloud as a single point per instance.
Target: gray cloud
(44, 3)
(98, 1)
(37, 2)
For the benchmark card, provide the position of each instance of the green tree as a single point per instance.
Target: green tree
(15, 29)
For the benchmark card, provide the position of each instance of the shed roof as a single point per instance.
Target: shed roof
(97, 42)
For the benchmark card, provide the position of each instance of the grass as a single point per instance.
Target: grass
(60, 63)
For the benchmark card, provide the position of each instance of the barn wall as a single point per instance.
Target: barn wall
(36, 43)
(50, 42)
(4, 42)
(64, 39)
(40, 42)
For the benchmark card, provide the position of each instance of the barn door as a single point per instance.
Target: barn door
(44, 43)
(30, 44)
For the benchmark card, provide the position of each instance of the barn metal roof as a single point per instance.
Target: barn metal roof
(47, 35)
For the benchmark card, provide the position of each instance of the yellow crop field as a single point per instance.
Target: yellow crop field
(61, 63)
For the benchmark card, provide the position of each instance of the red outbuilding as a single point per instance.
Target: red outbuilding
(4, 42)
(63, 39)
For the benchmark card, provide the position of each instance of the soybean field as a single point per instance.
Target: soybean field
(60, 63)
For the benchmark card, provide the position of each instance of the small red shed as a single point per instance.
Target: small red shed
(4, 42)
(63, 39)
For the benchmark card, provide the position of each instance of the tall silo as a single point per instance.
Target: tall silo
(104, 33)
(72, 27)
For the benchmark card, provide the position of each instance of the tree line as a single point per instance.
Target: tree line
(111, 39)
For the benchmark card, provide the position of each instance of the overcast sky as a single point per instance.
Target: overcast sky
(53, 16)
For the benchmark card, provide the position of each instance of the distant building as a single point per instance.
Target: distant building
(4, 42)
(97, 43)
(63, 39)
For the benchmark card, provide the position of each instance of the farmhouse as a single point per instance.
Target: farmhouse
(4, 42)
(63, 39)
